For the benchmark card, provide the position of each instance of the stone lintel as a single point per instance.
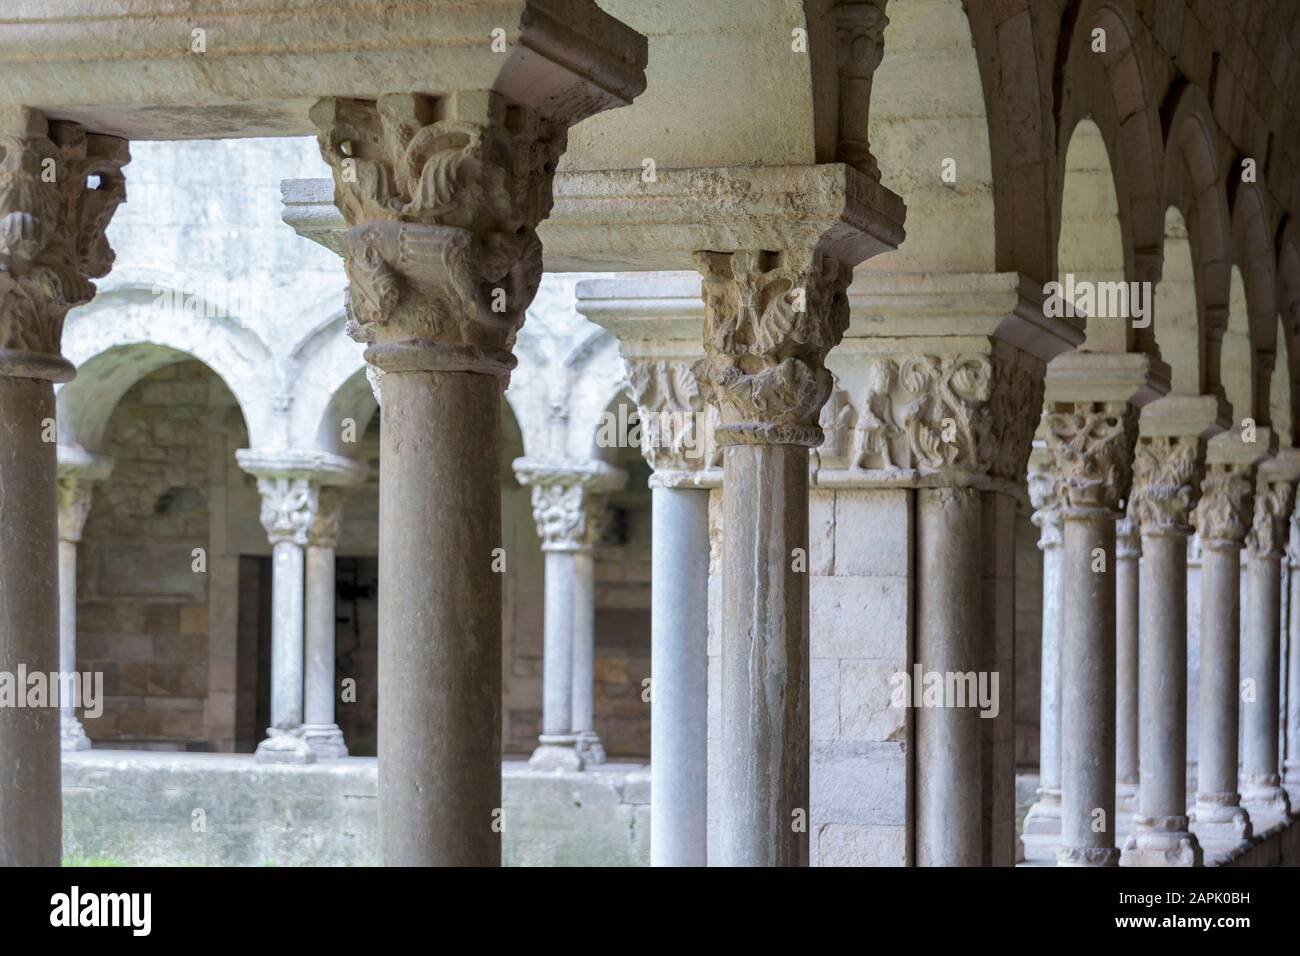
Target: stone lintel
(1106, 377)
(1185, 416)
(77, 464)
(594, 475)
(256, 67)
(321, 467)
(612, 221)
(1229, 449)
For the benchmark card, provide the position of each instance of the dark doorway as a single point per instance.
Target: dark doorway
(253, 653)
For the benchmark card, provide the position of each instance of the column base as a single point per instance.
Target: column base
(72, 736)
(1042, 831)
(557, 752)
(284, 746)
(590, 748)
(1265, 800)
(1087, 856)
(1161, 841)
(1221, 825)
(325, 740)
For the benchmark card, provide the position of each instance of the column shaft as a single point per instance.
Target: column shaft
(319, 726)
(1261, 790)
(72, 735)
(1088, 694)
(584, 657)
(679, 607)
(765, 730)
(440, 619)
(948, 642)
(31, 801)
(1291, 764)
(1128, 598)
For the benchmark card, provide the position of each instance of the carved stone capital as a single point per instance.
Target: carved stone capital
(1167, 474)
(675, 429)
(442, 197)
(770, 319)
(79, 470)
(1128, 536)
(327, 523)
(568, 499)
(1269, 528)
(1042, 495)
(859, 45)
(1222, 518)
(1091, 444)
(59, 187)
(289, 506)
(944, 413)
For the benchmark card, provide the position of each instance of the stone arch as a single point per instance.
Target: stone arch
(1288, 276)
(117, 339)
(1237, 360)
(1193, 185)
(1114, 89)
(1254, 254)
(932, 141)
(1016, 81)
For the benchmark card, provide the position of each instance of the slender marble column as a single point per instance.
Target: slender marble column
(288, 507)
(1128, 554)
(54, 229)
(679, 625)
(319, 729)
(1218, 819)
(1262, 793)
(76, 485)
(1167, 477)
(675, 443)
(1291, 760)
(1042, 829)
(568, 501)
(1091, 444)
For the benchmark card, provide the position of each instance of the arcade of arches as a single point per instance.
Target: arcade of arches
(896, 464)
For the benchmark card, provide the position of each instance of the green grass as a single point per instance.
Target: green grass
(91, 861)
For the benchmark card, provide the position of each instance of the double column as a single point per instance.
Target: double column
(568, 503)
(1222, 519)
(1167, 479)
(55, 225)
(1291, 759)
(1262, 794)
(78, 472)
(1091, 424)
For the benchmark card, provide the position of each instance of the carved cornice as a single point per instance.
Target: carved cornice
(1222, 517)
(1270, 526)
(770, 319)
(442, 198)
(568, 499)
(1167, 474)
(1091, 444)
(675, 432)
(59, 187)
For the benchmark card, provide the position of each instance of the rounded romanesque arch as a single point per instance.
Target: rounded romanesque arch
(1193, 185)
(1254, 254)
(127, 333)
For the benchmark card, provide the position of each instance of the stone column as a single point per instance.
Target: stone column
(53, 221)
(1167, 478)
(1262, 793)
(78, 472)
(289, 505)
(319, 728)
(568, 501)
(1221, 518)
(442, 196)
(1042, 829)
(1128, 555)
(673, 432)
(770, 319)
(1291, 760)
(1091, 428)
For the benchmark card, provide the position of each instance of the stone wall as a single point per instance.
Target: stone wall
(143, 612)
(227, 810)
